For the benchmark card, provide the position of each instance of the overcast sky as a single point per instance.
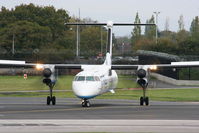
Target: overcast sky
(123, 10)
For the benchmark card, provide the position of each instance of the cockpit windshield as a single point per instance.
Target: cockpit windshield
(90, 78)
(87, 78)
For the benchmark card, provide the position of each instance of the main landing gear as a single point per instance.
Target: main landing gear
(51, 98)
(144, 99)
(85, 103)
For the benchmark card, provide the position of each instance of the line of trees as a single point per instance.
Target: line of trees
(181, 42)
(40, 33)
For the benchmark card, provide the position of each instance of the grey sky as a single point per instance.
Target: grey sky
(123, 10)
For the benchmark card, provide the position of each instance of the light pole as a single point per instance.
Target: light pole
(122, 49)
(78, 39)
(101, 40)
(77, 42)
(156, 16)
(13, 44)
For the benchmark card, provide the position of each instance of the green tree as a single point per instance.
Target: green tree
(182, 35)
(181, 23)
(150, 31)
(136, 33)
(28, 35)
(188, 47)
(194, 29)
(44, 16)
(34, 27)
(91, 40)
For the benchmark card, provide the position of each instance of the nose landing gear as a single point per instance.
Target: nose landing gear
(85, 103)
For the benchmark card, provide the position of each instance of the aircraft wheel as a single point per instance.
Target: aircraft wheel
(53, 100)
(88, 104)
(48, 100)
(83, 104)
(141, 101)
(147, 101)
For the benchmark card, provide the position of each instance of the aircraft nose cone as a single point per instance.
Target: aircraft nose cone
(86, 89)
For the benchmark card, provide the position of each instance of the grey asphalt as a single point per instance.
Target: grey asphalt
(19, 114)
(69, 108)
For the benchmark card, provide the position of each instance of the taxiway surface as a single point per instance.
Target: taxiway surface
(33, 115)
(69, 108)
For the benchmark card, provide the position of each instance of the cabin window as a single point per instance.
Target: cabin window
(80, 78)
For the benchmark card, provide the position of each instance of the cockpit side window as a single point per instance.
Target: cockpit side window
(80, 78)
(97, 78)
(76, 77)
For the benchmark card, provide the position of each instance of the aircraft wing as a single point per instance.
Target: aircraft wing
(156, 66)
(13, 63)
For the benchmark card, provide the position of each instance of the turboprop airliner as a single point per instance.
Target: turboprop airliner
(94, 80)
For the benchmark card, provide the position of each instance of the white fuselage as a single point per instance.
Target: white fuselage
(94, 80)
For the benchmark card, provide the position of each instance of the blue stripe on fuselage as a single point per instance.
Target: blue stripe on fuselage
(86, 97)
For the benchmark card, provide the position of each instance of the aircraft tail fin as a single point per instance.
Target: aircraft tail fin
(108, 59)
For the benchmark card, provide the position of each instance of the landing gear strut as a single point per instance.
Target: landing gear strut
(85, 103)
(144, 99)
(51, 98)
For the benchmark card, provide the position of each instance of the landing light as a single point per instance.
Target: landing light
(39, 67)
(153, 67)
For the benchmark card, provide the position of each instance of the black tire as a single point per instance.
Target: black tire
(48, 100)
(83, 104)
(147, 101)
(53, 100)
(88, 104)
(141, 101)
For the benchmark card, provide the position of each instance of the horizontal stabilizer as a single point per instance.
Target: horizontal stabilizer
(114, 24)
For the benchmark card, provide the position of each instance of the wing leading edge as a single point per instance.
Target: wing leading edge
(156, 66)
(18, 64)
(13, 63)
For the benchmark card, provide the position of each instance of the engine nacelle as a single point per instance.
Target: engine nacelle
(49, 75)
(47, 72)
(47, 81)
(142, 75)
(142, 82)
